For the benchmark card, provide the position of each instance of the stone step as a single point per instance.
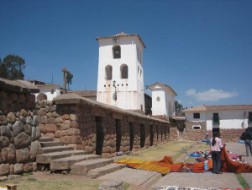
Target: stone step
(56, 149)
(82, 168)
(93, 174)
(67, 162)
(51, 143)
(46, 158)
(45, 139)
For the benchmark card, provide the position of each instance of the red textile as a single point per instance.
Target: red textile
(228, 165)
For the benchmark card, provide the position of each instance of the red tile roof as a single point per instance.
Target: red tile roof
(218, 108)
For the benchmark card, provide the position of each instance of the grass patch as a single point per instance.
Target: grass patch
(173, 149)
(28, 183)
(242, 181)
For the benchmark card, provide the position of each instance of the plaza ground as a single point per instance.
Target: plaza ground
(144, 180)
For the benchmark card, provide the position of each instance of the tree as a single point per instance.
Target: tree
(67, 76)
(178, 108)
(12, 67)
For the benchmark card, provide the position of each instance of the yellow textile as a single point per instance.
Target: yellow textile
(163, 166)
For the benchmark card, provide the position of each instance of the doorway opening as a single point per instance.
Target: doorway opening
(99, 135)
(142, 135)
(118, 134)
(131, 131)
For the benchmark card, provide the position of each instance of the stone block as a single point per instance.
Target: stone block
(22, 155)
(73, 117)
(34, 166)
(58, 120)
(74, 124)
(34, 150)
(55, 114)
(3, 120)
(72, 131)
(8, 154)
(18, 168)
(4, 169)
(50, 128)
(22, 140)
(53, 108)
(5, 130)
(50, 120)
(43, 119)
(4, 142)
(17, 128)
(28, 167)
(65, 117)
(23, 113)
(111, 185)
(41, 112)
(65, 125)
(35, 120)
(51, 135)
(28, 129)
(57, 134)
(11, 169)
(11, 118)
(42, 128)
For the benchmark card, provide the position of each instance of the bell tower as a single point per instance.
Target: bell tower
(120, 71)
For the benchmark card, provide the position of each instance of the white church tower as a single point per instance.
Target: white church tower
(120, 71)
(163, 100)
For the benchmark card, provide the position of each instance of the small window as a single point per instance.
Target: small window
(250, 117)
(108, 72)
(117, 52)
(124, 71)
(196, 115)
(216, 119)
(196, 127)
(52, 91)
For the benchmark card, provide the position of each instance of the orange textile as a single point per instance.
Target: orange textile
(163, 166)
(229, 165)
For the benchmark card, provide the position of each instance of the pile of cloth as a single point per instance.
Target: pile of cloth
(167, 165)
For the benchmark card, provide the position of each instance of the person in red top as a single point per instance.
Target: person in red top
(216, 146)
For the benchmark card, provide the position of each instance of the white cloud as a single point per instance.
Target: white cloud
(210, 95)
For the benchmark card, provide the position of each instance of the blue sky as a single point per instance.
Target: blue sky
(201, 48)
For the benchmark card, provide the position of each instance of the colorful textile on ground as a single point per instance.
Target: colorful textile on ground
(229, 165)
(167, 165)
(162, 166)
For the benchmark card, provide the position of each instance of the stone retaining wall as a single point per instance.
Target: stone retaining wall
(97, 128)
(227, 135)
(19, 134)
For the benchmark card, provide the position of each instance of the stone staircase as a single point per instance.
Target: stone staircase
(57, 157)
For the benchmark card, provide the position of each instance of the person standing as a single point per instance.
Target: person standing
(207, 139)
(247, 137)
(216, 146)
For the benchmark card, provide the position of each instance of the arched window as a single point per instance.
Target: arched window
(108, 72)
(124, 71)
(117, 52)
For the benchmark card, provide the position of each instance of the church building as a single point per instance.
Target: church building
(120, 71)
